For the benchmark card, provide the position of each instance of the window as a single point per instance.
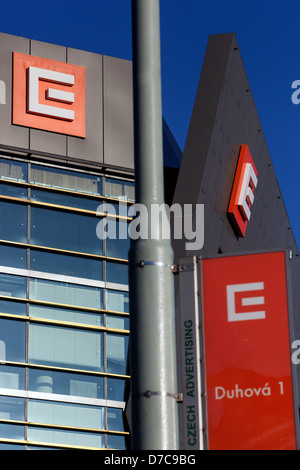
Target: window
(117, 301)
(64, 437)
(12, 377)
(65, 347)
(69, 414)
(16, 308)
(116, 273)
(119, 189)
(65, 179)
(12, 286)
(117, 348)
(114, 419)
(67, 265)
(58, 199)
(15, 226)
(115, 246)
(63, 383)
(66, 315)
(13, 256)
(10, 431)
(12, 408)
(64, 230)
(65, 293)
(12, 340)
(13, 191)
(116, 389)
(116, 442)
(13, 170)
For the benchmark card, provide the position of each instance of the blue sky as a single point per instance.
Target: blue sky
(268, 34)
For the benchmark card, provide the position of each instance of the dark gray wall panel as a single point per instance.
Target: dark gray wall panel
(118, 112)
(11, 135)
(91, 148)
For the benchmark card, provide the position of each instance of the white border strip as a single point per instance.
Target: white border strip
(62, 398)
(62, 278)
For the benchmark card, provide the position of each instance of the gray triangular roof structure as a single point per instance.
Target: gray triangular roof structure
(225, 117)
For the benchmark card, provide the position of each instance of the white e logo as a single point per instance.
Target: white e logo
(256, 314)
(246, 197)
(36, 74)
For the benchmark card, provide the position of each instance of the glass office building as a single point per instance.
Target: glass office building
(64, 307)
(66, 187)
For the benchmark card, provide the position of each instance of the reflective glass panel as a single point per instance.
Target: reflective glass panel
(12, 377)
(64, 437)
(65, 293)
(116, 442)
(65, 347)
(4, 446)
(115, 419)
(65, 179)
(65, 230)
(9, 306)
(12, 408)
(118, 246)
(63, 383)
(66, 315)
(68, 265)
(118, 323)
(117, 349)
(119, 189)
(11, 431)
(117, 301)
(12, 170)
(13, 191)
(66, 414)
(13, 256)
(12, 340)
(121, 208)
(12, 286)
(116, 389)
(67, 200)
(116, 272)
(14, 222)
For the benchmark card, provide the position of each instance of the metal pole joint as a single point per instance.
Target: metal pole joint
(177, 396)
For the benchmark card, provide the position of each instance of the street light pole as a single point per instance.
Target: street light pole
(152, 304)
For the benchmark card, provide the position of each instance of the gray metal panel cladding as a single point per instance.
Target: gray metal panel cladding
(11, 135)
(118, 112)
(109, 107)
(91, 148)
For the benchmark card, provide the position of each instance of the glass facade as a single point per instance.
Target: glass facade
(64, 308)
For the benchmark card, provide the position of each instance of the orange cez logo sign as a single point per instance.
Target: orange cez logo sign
(242, 196)
(48, 95)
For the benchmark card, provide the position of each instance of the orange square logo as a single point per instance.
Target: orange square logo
(48, 95)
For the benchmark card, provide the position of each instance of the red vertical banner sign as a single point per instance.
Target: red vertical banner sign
(248, 370)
